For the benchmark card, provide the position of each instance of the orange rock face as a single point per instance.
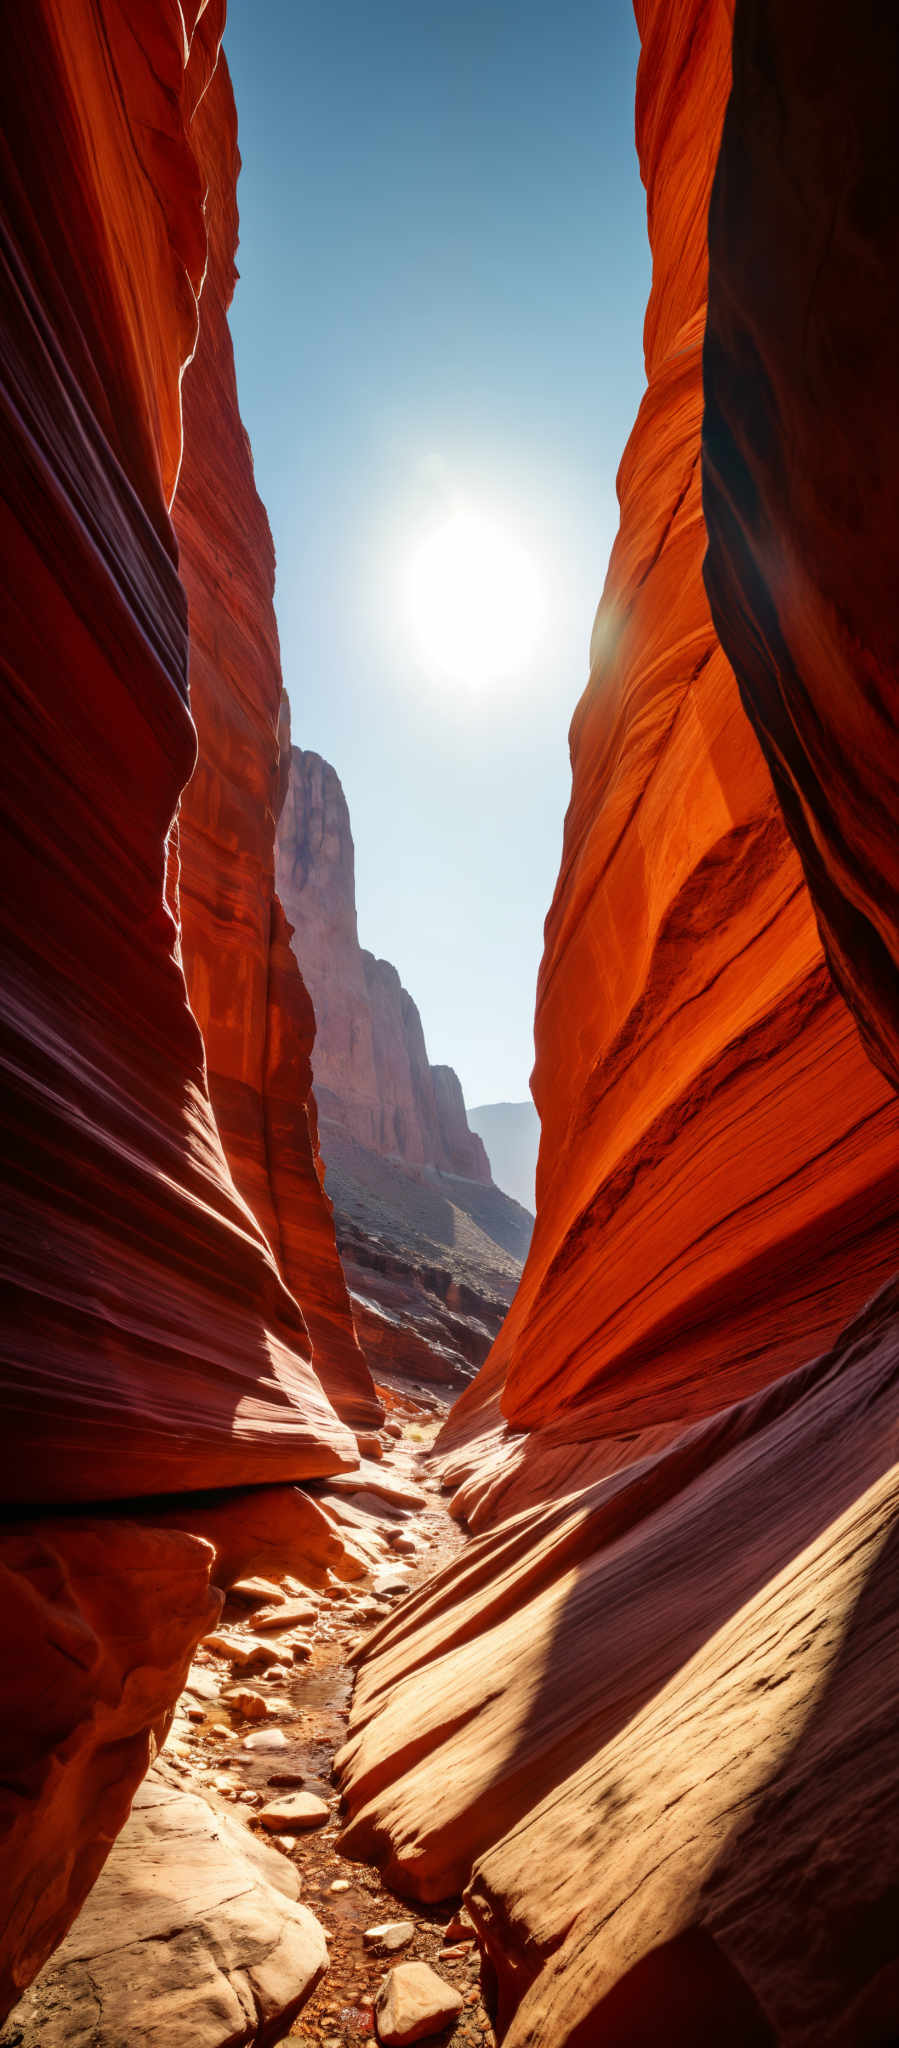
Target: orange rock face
(716, 1185)
(244, 985)
(801, 342)
(647, 1719)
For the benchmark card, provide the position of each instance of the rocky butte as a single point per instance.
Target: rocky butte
(431, 1248)
(646, 1719)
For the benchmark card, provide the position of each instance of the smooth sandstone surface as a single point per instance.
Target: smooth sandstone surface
(193, 1933)
(717, 1172)
(151, 1342)
(801, 564)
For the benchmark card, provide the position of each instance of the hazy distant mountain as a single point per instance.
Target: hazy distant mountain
(511, 1133)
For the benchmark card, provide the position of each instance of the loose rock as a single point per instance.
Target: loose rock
(390, 1936)
(300, 1810)
(413, 2003)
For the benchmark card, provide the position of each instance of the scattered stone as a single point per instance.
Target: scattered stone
(370, 1446)
(250, 1705)
(455, 1953)
(245, 1653)
(196, 1713)
(340, 1884)
(286, 1779)
(460, 1924)
(413, 2004)
(390, 1936)
(300, 1810)
(291, 1614)
(255, 1592)
(390, 1586)
(266, 1740)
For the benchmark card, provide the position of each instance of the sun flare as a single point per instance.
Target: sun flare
(473, 601)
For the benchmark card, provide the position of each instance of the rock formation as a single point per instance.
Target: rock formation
(511, 1136)
(656, 1693)
(152, 1346)
(716, 1186)
(373, 1080)
(431, 1249)
(244, 985)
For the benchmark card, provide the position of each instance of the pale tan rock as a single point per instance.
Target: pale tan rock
(266, 1741)
(390, 1936)
(297, 1811)
(413, 2004)
(192, 1934)
(292, 1614)
(255, 1592)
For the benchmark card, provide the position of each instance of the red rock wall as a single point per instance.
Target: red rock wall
(373, 1078)
(716, 1186)
(801, 352)
(146, 1304)
(151, 1345)
(647, 1721)
(245, 988)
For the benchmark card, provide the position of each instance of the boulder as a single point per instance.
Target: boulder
(413, 2004)
(294, 1813)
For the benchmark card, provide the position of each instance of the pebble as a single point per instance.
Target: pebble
(390, 1936)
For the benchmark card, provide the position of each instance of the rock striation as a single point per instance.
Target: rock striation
(153, 1349)
(716, 1183)
(646, 1720)
(800, 342)
(244, 985)
(373, 1080)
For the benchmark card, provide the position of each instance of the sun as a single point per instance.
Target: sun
(473, 601)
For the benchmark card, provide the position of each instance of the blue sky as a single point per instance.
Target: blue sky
(444, 271)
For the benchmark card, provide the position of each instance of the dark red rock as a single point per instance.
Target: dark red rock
(801, 458)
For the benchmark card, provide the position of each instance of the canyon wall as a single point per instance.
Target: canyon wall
(152, 1347)
(245, 988)
(716, 1179)
(373, 1079)
(647, 1720)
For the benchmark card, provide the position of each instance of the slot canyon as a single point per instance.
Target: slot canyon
(426, 1621)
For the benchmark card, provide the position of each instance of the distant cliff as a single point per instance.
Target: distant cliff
(511, 1133)
(373, 1079)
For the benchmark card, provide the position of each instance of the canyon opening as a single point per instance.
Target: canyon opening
(450, 1389)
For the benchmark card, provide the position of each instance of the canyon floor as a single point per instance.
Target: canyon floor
(186, 1936)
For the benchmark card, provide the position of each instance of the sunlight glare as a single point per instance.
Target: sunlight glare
(472, 600)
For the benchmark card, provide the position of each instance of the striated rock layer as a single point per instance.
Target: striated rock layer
(372, 1075)
(151, 1344)
(244, 985)
(647, 1720)
(151, 1341)
(801, 458)
(717, 1172)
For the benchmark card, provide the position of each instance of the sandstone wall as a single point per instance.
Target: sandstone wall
(716, 1181)
(244, 985)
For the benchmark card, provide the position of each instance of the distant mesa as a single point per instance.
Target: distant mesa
(511, 1134)
(431, 1247)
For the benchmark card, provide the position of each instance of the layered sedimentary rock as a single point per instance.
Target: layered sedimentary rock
(244, 985)
(801, 455)
(372, 1075)
(647, 1720)
(431, 1249)
(661, 1717)
(716, 1182)
(151, 1343)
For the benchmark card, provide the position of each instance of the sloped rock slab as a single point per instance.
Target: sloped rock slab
(192, 1933)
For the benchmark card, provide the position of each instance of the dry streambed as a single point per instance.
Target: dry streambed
(253, 1742)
